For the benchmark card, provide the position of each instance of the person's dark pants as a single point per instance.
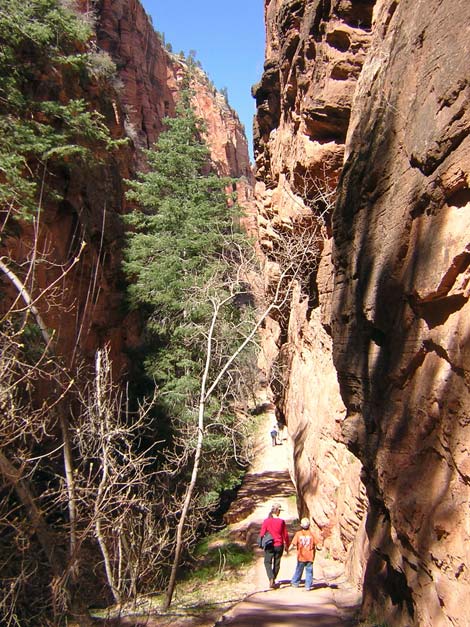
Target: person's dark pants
(272, 561)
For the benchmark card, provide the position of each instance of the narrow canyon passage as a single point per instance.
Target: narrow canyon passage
(354, 190)
(332, 602)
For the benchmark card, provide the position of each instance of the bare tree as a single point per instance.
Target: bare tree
(291, 271)
(107, 485)
(115, 475)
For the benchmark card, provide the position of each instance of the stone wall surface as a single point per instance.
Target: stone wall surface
(371, 99)
(151, 79)
(401, 308)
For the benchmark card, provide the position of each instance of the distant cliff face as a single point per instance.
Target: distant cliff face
(88, 309)
(151, 78)
(385, 84)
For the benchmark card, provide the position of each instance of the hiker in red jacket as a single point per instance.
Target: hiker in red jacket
(276, 527)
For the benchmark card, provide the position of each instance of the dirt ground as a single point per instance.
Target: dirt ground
(331, 603)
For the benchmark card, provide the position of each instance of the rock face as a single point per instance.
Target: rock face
(151, 78)
(401, 257)
(87, 310)
(385, 85)
(314, 55)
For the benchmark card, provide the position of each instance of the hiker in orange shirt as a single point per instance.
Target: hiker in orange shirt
(305, 541)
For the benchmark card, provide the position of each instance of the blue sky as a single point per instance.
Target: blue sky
(228, 37)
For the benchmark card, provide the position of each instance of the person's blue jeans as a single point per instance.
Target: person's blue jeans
(272, 561)
(299, 570)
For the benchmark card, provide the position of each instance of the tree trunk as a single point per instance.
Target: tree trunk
(24, 493)
(197, 459)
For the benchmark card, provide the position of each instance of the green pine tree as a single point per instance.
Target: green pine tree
(181, 265)
(176, 247)
(177, 258)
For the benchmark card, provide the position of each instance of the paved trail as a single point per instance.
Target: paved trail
(331, 603)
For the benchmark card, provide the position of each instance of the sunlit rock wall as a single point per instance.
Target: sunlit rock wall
(314, 54)
(383, 87)
(401, 324)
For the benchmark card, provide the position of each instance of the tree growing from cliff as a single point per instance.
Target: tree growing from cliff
(45, 122)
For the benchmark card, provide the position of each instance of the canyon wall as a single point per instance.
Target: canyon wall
(374, 97)
(150, 79)
(401, 257)
(86, 307)
(314, 54)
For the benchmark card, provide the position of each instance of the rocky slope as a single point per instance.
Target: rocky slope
(383, 87)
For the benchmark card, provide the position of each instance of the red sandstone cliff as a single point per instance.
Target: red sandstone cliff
(86, 309)
(387, 83)
(313, 58)
(151, 78)
(401, 306)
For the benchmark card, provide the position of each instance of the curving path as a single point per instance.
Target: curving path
(332, 602)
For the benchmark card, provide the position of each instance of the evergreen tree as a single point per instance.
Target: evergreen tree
(181, 264)
(50, 74)
(176, 247)
(46, 61)
(178, 258)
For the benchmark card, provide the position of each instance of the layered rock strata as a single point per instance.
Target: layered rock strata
(384, 87)
(151, 78)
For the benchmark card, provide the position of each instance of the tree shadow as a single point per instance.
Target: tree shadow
(262, 612)
(257, 489)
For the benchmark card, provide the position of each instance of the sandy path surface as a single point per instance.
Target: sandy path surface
(331, 603)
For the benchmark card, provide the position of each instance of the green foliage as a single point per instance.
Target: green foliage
(179, 255)
(217, 556)
(372, 621)
(46, 59)
(177, 247)
(221, 561)
(224, 92)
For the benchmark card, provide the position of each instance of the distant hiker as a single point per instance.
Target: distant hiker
(274, 527)
(305, 541)
(273, 434)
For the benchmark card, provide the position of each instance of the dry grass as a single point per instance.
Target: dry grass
(212, 588)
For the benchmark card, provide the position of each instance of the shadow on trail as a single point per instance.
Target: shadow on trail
(257, 489)
(286, 583)
(266, 613)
